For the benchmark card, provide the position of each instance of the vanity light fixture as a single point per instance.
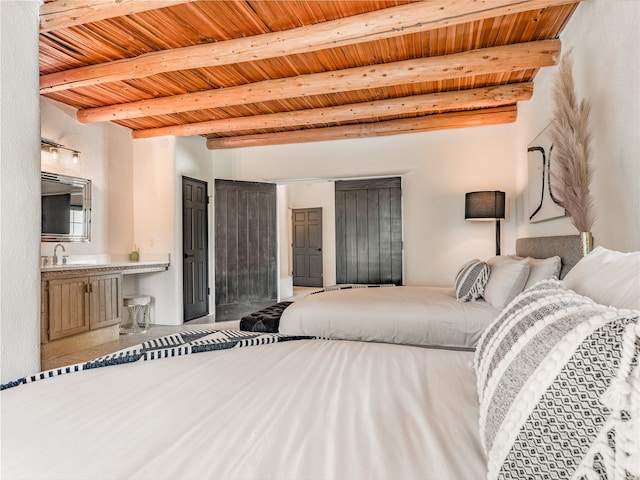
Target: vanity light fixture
(54, 150)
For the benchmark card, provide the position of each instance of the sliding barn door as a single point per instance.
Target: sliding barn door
(245, 247)
(369, 231)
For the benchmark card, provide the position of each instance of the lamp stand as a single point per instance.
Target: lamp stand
(497, 236)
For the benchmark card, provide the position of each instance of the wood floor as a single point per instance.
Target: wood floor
(154, 331)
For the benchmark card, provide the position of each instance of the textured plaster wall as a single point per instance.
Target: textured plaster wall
(107, 160)
(156, 201)
(19, 190)
(159, 165)
(605, 40)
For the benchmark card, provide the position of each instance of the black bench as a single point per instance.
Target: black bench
(266, 320)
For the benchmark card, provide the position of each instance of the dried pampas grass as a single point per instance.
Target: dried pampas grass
(571, 138)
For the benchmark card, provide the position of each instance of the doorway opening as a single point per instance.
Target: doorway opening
(307, 247)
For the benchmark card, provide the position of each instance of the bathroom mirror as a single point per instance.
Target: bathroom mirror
(66, 208)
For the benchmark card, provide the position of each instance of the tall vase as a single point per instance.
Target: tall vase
(586, 243)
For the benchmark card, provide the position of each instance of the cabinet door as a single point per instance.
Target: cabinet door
(106, 300)
(68, 304)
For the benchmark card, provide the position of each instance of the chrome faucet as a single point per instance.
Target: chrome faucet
(55, 258)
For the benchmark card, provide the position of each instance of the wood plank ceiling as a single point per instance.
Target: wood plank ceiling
(243, 73)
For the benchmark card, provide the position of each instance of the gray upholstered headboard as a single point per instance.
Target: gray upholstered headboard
(567, 247)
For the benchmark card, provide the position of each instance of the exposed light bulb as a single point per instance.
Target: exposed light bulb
(75, 157)
(54, 153)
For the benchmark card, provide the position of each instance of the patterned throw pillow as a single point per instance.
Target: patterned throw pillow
(559, 386)
(470, 280)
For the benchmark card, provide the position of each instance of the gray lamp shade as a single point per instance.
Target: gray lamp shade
(484, 205)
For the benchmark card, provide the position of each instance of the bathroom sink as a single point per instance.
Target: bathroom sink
(51, 267)
(70, 264)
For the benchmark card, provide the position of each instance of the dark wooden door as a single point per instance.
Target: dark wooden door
(195, 241)
(369, 231)
(245, 247)
(307, 247)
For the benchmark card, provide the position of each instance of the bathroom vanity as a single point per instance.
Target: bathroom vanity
(81, 295)
(81, 304)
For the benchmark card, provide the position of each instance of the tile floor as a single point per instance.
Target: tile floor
(154, 331)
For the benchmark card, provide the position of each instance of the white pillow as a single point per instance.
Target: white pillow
(507, 277)
(608, 277)
(543, 269)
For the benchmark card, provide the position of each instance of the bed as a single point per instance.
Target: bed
(431, 316)
(232, 404)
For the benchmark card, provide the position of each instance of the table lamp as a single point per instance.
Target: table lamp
(488, 205)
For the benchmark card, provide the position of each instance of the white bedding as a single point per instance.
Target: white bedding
(427, 316)
(298, 409)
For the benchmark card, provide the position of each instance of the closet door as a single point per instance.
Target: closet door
(369, 231)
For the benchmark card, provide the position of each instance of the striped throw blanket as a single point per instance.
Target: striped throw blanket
(177, 344)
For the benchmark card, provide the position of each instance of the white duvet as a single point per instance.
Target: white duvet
(318, 409)
(428, 316)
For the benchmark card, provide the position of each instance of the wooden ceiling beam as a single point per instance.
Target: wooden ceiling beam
(377, 25)
(489, 116)
(59, 14)
(507, 58)
(476, 98)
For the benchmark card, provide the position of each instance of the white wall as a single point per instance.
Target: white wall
(119, 187)
(107, 160)
(605, 39)
(194, 160)
(20, 192)
(317, 195)
(159, 164)
(155, 224)
(437, 169)
(285, 267)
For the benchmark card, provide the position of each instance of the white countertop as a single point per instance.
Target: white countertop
(119, 262)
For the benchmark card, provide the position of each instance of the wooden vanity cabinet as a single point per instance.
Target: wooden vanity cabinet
(77, 304)
(81, 306)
